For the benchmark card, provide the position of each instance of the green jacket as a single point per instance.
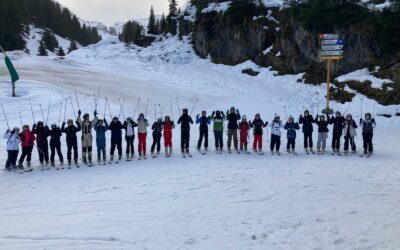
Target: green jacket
(218, 124)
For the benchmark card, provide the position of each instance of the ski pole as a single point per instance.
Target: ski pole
(108, 104)
(155, 112)
(194, 105)
(122, 107)
(317, 102)
(76, 96)
(347, 108)
(65, 111)
(137, 104)
(41, 110)
(20, 119)
(105, 106)
(374, 110)
(5, 116)
(161, 110)
(284, 106)
(361, 106)
(72, 105)
(170, 103)
(30, 103)
(97, 99)
(48, 112)
(59, 114)
(179, 108)
(147, 106)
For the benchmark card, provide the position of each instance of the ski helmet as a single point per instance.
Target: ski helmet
(368, 115)
(277, 117)
(322, 117)
(244, 118)
(86, 116)
(141, 115)
(16, 129)
(338, 113)
(257, 115)
(185, 110)
(53, 125)
(70, 121)
(291, 118)
(159, 119)
(167, 118)
(349, 116)
(40, 124)
(306, 111)
(25, 126)
(115, 118)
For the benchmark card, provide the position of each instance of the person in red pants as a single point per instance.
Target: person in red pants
(244, 128)
(168, 126)
(142, 125)
(258, 126)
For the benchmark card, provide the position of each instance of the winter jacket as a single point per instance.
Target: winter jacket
(27, 138)
(185, 120)
(130, 128)
(322, 125)
(86, 126)
(168, 126)
(55, 136)
(204, 122)
(70, 132)
(337, 123)
(349, 128)
(12, 140)
(116, 130)
(258, 125)
(218, 125)
(232, 119)
(41, 135)
(244, 126)
(157, 129)
(307, 122)
(291, 128)
(101, 133)
(276, 128)
(368, 125)
(142, 126)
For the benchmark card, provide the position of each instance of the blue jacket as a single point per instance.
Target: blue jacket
(204, 122)
(307, 122)
(291, 129)
(101, 134)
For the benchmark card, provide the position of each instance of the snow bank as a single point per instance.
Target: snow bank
(363, 75)
(218, 7)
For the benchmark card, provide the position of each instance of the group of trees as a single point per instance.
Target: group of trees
(16, 15)
(50, 42)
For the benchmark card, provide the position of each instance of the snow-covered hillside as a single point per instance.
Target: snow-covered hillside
(212, 201)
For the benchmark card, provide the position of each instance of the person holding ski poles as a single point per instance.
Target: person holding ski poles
(72, 140)
(185, 120)
(307, 120)
(42, 132)
(368, 125)
(204, 121)
(27, 141)
(12, 147)
(101, 128)
(218, 118)
(233, 116)
(129, 126)
(349, 131)
(55, 144)
(337, 130)
(168, 126)
(258, 125)
(244, 128)
(116, 137)
(291, 128)
(157, 134)
(87, 140)
(276, 133)
(142, 134)
(323, 130)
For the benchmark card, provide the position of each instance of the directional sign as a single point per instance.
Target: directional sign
(329, 36)
(332, 42)
(332, 47)
(331, 53)
(331, 57)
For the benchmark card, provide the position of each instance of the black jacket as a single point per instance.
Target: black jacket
(258, 126)
(337, 124)
(70, 133)
(116, 130)
(307, 122)
(41, 135)
(55, 136)
(322, 125)
(185, 120)
(233, 120)
(157, 129)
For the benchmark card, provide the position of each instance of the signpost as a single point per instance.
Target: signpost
(331, 49)
(13, 73)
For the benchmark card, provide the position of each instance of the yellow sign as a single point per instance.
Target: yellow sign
(331, 57)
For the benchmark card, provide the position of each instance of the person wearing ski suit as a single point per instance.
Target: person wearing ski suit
(204, 121)
(257, 125)
(337, 130)
(218, 118)
(233, 117)
(72, 141)
(276, 133)
(185, 120)
(42, 132)
(349, 131)
(291, 128)
(142, 134)
(12, 146)
(101, 128)
(244, 128)
(368, 125)
(168, 126)
(307, 120)
(55, 143)
(86, 126)
(157, 134)
(323, 130)
(27, 141)
(129, 126)
(116, 128)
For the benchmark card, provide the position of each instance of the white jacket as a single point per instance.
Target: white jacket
(12, 141)
(142, 126)
(276, 128)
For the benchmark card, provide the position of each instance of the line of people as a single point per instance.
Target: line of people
(236, 125)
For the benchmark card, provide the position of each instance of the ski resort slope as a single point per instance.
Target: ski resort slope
(227, 201)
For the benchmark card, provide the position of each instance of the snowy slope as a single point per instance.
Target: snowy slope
(207, 202)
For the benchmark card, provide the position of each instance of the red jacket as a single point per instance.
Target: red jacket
(244, 128)
(27, 138)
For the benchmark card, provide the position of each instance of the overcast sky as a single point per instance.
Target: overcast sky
(112, 11)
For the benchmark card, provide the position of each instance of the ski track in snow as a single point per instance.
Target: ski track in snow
(226, 201)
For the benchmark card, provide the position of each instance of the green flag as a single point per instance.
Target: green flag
(13, 73)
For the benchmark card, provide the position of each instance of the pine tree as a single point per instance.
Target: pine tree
(171, 18)
(132, 32)
(152, 27)
(72, 46)
(173, 8)
(163, 24)
(42, 49)
(50, 41)
(60, 52)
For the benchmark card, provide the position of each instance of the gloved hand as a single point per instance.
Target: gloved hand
(361, 120)
(79, 112)
(63, 124)
(95, 113)
(34, 126)
(237, 111)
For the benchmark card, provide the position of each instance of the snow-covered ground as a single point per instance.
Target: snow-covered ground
(205, 202)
